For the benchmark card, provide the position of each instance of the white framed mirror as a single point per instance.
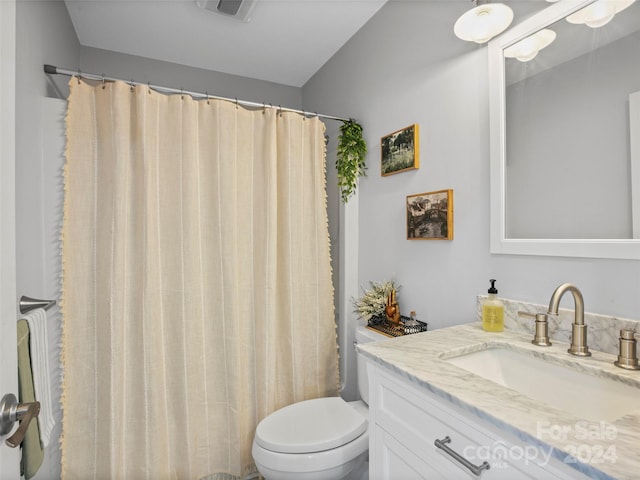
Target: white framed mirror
(565, 133)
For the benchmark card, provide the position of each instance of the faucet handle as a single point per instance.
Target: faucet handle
(541, 335)
(627, 357)
(579, 341)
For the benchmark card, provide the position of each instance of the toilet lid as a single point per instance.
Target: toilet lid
(311, 426)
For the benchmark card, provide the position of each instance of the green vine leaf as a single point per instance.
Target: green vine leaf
(350, 163)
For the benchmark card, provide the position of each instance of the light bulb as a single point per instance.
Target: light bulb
(482, 23)
(527, 48)
(481, 30)
(599, 22)
(599, 13)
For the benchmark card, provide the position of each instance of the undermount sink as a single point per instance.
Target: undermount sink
(581, 394)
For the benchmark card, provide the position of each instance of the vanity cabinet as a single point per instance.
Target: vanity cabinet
(406, 420)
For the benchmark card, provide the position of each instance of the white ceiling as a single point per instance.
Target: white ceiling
(286, 41)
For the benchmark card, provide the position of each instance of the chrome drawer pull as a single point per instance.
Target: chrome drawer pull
(476, 470)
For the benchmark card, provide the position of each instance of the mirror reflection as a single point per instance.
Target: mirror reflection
(572, 91)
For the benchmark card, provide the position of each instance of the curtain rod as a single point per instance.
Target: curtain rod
(52, 70)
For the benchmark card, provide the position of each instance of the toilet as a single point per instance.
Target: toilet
(319, 439)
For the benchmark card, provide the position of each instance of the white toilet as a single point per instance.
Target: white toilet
(319, 439)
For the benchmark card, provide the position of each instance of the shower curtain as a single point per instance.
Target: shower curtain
(197, 292)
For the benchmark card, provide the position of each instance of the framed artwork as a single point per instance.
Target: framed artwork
(400, 151)
(430, 216)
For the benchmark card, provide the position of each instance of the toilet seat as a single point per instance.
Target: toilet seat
(311, 426)
(320, 439)
(332, 464)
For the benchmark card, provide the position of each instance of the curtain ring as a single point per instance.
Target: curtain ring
(280, 110)
(236, 103)
(78, 76)
(103, 84)
(181, 94)
(206, 94)
(131, 86)
(264, 108)
(149, 88)
(304, 115)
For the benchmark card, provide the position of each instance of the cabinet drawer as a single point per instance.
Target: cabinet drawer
(415, 418)
(394, 460)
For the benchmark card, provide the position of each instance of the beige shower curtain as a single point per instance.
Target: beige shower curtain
(197, 293)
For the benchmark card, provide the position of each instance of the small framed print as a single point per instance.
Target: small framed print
(430, 216)
(400, 151)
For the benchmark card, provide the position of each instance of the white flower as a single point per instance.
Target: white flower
(373, 302)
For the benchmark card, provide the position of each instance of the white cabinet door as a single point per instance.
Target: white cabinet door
(393, 460)
(406, 420)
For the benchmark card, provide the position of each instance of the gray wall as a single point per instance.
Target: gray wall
(406, 67)
(44, 35)
(394, 73)
(146, 70)
(568, 145)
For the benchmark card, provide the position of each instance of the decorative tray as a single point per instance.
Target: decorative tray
(380, 324)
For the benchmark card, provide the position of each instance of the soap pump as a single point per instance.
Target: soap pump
(493, 310)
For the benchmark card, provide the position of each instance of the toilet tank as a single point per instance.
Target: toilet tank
(365, 335)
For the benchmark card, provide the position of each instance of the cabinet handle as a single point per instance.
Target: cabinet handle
(475, 469)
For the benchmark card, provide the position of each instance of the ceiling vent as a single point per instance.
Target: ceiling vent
(237, 9)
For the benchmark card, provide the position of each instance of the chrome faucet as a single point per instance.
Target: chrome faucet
(578, 329)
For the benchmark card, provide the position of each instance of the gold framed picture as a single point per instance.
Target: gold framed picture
(430, 216)
(400, 151)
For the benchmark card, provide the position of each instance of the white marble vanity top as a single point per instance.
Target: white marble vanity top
(612, 448)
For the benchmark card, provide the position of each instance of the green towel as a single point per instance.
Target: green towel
(32, 452)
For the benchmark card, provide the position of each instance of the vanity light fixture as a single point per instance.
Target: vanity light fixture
(599, 13)
(527, 48)
(483, 22)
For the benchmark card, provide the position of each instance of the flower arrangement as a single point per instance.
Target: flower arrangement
(373, 301)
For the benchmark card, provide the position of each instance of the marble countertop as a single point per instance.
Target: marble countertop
(611, 448)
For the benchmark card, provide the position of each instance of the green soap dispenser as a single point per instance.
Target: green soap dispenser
(493, 311)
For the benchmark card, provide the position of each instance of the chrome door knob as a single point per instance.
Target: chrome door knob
(11, 412)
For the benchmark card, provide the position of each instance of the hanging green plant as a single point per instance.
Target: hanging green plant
(351, 158)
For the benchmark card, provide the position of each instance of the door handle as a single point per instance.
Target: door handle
(10, 412)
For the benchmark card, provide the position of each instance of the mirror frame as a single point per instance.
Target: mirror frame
(500, 244)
